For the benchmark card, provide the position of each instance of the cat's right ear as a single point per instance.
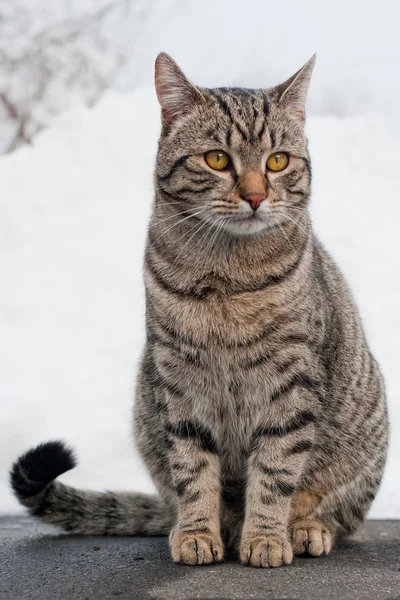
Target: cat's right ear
(176, 95)
(293, 92)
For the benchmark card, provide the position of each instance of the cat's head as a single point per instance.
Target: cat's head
(231, 156)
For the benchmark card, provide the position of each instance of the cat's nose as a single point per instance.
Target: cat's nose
(254, 199)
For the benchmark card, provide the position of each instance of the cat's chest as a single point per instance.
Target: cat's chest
(218, 318)
(234, 404)
(232, 400)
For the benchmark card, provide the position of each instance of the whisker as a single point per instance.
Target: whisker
(220, 228)
(218, 223)
(182, 220)
(294, 221)
(299, 215)
(198, 229)
(297, 209)
(210, 232)
(168, 203)
(188, 210)
(283, 233)
(228, 205)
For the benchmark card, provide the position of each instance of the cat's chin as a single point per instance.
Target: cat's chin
(247, 226)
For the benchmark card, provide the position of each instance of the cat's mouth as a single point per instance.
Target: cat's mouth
(245, 223)
(252, 222)
(247, 217)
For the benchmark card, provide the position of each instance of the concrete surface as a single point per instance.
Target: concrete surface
(37, 562)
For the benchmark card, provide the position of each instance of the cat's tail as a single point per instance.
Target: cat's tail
(89, 513)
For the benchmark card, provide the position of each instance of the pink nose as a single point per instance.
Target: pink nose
(254, 200)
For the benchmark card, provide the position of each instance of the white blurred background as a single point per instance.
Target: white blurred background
(78, 130)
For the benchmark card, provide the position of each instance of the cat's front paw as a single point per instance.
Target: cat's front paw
(310, 536)
(260, 550)
(196, 547)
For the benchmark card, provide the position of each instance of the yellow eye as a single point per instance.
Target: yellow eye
(278, 161)
(217, 160)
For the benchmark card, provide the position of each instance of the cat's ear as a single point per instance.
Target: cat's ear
(176, 95)
(293, 92)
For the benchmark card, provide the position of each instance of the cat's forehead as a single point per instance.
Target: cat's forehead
(249, 119)
(241, 93)
(249, 104)
(192, 115)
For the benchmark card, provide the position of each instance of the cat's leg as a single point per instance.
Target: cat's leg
(311, 533)
(317, 515)
(181, 455)
(196, 538)
(336, 493)
(275, 468)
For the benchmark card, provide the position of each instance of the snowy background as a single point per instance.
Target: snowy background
(78, 128)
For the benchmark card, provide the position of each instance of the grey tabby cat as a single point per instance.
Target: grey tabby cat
(260, 412)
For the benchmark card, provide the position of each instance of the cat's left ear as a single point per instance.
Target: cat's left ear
(176, 95)
(293, 92)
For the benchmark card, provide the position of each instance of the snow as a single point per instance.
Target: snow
(234, 43)
(56, 55)
(74, 212)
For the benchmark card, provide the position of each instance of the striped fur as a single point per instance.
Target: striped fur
(260, 411)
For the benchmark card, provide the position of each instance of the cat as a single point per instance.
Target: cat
(260, 411)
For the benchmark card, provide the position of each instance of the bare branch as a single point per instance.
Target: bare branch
(49, 65)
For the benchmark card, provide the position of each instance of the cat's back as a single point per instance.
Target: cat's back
(342, 322)
(354, 382)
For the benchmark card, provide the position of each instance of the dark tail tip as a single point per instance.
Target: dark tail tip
(36, 468)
